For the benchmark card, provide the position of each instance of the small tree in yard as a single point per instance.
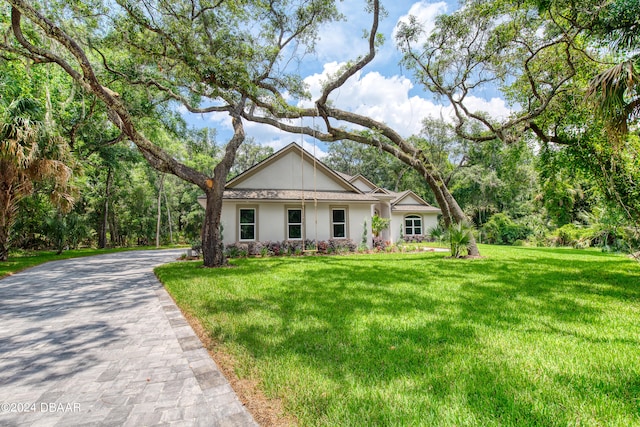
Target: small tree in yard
(363, 243)
(458, 236)
(379, 224)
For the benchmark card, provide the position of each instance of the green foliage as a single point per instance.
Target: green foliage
(502, 230)
(27, 232)
(520, 50)
(458, 236)
(572, 235)
(379, 224)
(615, 169)
(65, 231)
(495, 177)
(56, 230)
(609, 238)
(437, 233)
(419, 339)
(382, 169)
(618, 24)
(32, 152)
(365, 231)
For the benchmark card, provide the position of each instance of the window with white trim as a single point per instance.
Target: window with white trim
(247, 218)
(338, 223)
(413, 225)
(294, 224)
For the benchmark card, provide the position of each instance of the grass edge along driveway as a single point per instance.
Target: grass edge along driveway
(523, 337)
(22, 260)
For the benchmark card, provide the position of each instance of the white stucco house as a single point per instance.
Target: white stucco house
(291, 195)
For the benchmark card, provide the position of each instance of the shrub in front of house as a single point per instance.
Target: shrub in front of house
(293, 247)
(416, 239)
(379, 244)
(289, 247)
(340, 246)
(322, 247)
(273, 248)
(254, 248)
(236, 250)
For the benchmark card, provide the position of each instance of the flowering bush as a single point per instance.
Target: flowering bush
(379, 244)
(289, 247)
(341, 246)
(322, 247)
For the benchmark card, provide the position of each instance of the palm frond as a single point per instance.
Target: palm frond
(616, 94)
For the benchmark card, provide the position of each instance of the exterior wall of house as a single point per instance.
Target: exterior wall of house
(358, 214)
(272, 220)
(290, 173)
(397, 226)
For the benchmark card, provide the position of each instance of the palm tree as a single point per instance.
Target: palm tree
(616, 94)
(459, 237)
(29, 153)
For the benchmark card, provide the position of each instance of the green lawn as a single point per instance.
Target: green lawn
(523, 337)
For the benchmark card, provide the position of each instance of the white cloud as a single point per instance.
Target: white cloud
(388, 100)
(495, 107)
(338, 43)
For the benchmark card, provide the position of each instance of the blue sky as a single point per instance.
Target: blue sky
(383, 90)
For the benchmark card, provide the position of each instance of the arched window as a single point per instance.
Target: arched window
(413, 225)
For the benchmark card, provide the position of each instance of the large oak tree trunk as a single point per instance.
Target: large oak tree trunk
(212, 245)
(451, 211)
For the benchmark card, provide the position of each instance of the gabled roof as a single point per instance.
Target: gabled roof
(380, 190)
(408, 201)
(297, 195)
(312, 163)
(371, 187)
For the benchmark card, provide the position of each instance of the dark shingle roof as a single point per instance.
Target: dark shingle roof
(280, 195)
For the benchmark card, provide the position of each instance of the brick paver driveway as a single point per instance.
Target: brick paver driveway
(98, 341)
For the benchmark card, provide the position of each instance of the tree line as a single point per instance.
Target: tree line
(68, 181)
